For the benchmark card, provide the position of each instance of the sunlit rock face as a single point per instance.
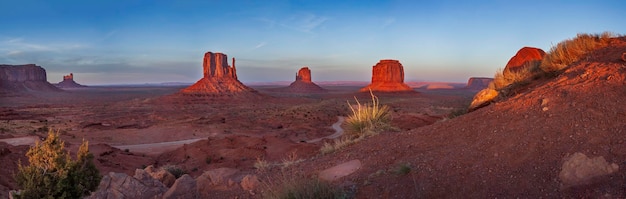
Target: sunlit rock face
(387, 76)
(523, 59)
(304, 74)
(23, 78)
(219, 79)
(68, 82)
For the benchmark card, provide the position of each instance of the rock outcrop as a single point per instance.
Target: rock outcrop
(120, 185)
(523, 59)
(303, 83)
(579, 169)
(220, 79)
(387, 76)
(22, 78)
(68, 82)
(478, 83)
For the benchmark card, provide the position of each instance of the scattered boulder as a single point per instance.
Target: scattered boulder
(220, 79)
(162, 175)
(523, 59)
(624, 56)
(303, 83)
(68, 82)
(341, 170)
(483, 98)
(387, 76)
(579, 169)
(478, 83)
(184, 187)
(249, 182)
(120, 185)
(24, 78)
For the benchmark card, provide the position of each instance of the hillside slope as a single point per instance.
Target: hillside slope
(514, 148)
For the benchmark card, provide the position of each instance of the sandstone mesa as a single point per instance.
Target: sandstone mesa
(387, 76)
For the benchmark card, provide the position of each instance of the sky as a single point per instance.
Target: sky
(153, 41)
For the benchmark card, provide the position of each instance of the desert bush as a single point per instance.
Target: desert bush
(289, 185)
(367, 119)
(53, 174)
(261, 164)
(572, 50)
(338, 144)
(175, 170)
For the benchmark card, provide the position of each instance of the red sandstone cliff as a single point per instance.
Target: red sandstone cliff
(219, 79)
(23, 78)
(387, 76)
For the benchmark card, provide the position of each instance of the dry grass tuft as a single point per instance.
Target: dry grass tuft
(367, 119)
(572, 50)
(294, 185)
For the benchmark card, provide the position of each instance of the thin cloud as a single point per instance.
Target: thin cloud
(260, 45)
(306, 23)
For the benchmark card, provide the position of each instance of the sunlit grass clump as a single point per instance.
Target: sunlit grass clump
(572, 50)
(288, 185)
(367, 119)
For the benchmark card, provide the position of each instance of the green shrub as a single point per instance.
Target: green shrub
(53, 174)
(175, 170)
(572, 50)
(367, 119)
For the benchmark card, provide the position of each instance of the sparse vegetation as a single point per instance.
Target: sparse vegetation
(291, 159)
(338, 144)
(261, 164)
(367, 119)
(53, 174)
(572, 50)
(291, 186)
(175, 170)
(402, 169)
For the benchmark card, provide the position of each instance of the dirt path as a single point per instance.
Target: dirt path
(338, 130)
(156, 148)
(29, 140)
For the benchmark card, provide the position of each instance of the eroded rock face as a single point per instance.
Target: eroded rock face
(483, 98)
(579, 169)
(22, 73)
(387, 76)
(68, 82)
(478, 83)
(184, 187)
(523, 59)
(220, 79)
(304, 74)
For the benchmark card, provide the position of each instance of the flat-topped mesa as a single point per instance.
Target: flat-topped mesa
(478, 83)
(303, 83)
(219, 78)
(23, 78)
(68, 82)
(304, 74)
(387, 76)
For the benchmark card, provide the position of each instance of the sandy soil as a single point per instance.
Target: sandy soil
(231, 132)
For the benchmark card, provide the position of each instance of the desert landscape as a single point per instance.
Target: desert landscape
(549, 124)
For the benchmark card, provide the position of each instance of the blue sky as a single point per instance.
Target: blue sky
(136, 41)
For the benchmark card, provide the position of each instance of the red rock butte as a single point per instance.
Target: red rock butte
(303, 83)
(387, 76)
(219, 79)
(522, 59)
(68, 82)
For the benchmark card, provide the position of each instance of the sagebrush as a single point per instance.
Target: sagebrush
(53, 174)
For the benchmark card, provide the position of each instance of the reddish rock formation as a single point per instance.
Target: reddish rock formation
(387, 76)
(623, 56)
(478, 83)
(304, 75)
(21, 78)
(303, 83)
(523, 58)
(68, 82)
(219, 79)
